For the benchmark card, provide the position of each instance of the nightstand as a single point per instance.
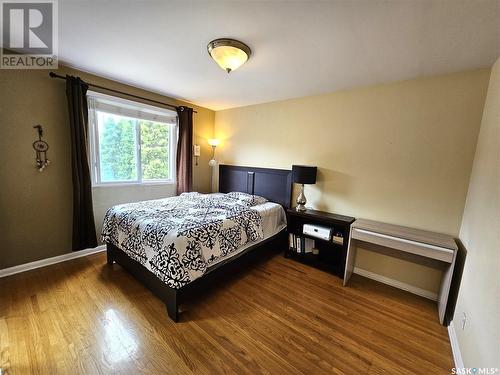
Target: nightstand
(330, 254)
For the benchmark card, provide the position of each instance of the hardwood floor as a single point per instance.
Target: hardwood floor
(277, 317)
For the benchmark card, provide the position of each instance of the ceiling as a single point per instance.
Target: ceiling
(299, 48)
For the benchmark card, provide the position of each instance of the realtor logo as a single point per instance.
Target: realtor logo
(29, 34)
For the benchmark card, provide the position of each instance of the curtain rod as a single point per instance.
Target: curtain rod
(54, 75)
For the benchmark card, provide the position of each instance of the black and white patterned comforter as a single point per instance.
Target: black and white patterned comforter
(179, 238)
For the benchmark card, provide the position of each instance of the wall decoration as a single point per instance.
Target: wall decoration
(41, 148)
(196, 153)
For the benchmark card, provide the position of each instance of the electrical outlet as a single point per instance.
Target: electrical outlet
(464, 320)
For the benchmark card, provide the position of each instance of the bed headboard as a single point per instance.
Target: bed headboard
(272, 184)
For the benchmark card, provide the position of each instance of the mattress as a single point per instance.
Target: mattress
(273, 221)
(273, 218)
(180, 238)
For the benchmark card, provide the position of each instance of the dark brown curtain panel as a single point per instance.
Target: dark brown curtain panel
(184, 163)
(84, 235)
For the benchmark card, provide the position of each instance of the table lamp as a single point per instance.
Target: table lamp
(303, 174)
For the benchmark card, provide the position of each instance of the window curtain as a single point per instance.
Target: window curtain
(184, 162)
(84, 235)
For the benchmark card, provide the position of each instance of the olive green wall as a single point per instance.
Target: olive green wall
(399, 153)
(36, 208)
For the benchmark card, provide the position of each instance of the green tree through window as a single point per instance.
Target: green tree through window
(154, 150)
(118, 152)
(117, 145)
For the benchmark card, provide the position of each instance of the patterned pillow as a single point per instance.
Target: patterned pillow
(249, 199)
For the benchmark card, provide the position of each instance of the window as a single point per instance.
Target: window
(130, 142)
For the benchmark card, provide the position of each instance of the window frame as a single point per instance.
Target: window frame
(152, 113)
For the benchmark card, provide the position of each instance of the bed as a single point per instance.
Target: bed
(179, 246)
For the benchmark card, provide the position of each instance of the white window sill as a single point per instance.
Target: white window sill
(124, 184)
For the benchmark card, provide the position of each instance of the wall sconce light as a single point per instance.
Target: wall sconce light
(214, 143)
(41, 148)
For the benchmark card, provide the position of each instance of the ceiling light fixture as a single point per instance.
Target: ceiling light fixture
(229, 54)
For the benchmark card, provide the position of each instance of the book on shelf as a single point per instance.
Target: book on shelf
(308, 245)
(291, 241)
(300, 244)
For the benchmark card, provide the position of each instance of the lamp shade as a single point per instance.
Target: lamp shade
(304, 174)
(213, 142)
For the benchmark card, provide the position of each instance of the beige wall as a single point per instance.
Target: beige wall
(399, 153)
(479, 295)
(36, 208)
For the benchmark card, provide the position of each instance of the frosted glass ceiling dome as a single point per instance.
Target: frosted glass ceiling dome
(229, 54)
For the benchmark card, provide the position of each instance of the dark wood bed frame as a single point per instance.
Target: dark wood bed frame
(273, 184)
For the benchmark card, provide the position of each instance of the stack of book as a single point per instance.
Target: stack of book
(299, 244)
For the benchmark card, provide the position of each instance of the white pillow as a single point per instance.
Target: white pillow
(249, 199)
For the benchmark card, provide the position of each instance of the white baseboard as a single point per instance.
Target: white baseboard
(397, 284)
(48, 261)
(457, 355)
